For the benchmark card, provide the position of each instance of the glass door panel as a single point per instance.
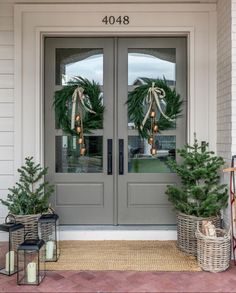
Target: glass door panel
(69, 159)
(151, 63)
(140, 159)
(83, 62)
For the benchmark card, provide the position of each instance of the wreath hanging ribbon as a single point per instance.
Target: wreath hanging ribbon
(155, 94)
(78, 94)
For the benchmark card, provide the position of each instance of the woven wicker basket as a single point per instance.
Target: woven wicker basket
(213, 253)
(31, 224)
(186, 228)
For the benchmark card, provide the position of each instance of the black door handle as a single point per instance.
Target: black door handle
(121, 157)
(109, 157)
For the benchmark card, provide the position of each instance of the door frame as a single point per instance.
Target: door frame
(32, 22)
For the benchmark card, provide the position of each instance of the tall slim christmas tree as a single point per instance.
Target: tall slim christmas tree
(30, 195)
(201, 194)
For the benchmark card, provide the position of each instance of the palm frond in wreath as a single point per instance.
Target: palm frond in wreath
(63, 105)
(136, 106)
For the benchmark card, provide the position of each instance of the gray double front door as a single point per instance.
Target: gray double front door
(117, 181)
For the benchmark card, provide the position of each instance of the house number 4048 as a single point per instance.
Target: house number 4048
(110, 20)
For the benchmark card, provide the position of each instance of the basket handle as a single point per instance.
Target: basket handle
(10, 219)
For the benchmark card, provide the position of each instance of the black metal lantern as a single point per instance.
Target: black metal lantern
(12, 235)
(49, 232)
(31, 262)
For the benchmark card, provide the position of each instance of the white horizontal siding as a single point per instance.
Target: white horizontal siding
(6, 66)
(3, 211)
(6, 101)
(6, 52)
(6, 139)
(4, 193)
(6, 153)
(6, 81)
(6, 23)
(6, 167)
(6, 124)
(6, 95)
(6, 181)
(6, 9)
(6, 38)
(6, 110)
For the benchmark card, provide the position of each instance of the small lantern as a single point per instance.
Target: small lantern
(31, 262)
(49, 232)
(11, 237)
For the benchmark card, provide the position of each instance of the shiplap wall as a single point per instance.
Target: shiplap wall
(6, 101)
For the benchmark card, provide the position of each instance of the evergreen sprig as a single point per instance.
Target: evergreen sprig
(63, 105)
(136, 106)
(201, 193)
(31, 194)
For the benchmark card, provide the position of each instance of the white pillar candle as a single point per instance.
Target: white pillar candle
(31, 272)
(10, 255)
(49, 249)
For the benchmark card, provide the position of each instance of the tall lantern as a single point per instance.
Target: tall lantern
(49, 232)
(12, 235)
(31, 262)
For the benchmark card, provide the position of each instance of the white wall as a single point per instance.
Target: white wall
(6, 102)
(202, 82)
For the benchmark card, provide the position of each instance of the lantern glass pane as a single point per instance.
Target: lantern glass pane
(31, 266)
(8, 250)
(42, 267)
(50, 234)
(28, 267)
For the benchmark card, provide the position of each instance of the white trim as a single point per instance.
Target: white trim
(88, 234)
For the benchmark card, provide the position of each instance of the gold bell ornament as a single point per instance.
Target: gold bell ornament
(153, 151)
(82, 151)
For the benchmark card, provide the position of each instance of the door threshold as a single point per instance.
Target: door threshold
(144, 232)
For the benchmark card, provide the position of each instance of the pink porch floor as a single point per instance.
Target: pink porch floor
(115, 281)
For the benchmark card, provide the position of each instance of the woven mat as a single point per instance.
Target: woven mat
(122, 256)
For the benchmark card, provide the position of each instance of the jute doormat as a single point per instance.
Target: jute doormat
(122, 256)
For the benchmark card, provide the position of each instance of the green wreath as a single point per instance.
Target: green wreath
(136, 106)
(63, 105)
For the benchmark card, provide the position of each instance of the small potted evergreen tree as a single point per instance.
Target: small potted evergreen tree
(200, 195)
(28, 199)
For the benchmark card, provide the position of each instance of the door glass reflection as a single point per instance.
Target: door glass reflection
(71, 62)
(69, 160)
(151, 63)
(140, 159)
